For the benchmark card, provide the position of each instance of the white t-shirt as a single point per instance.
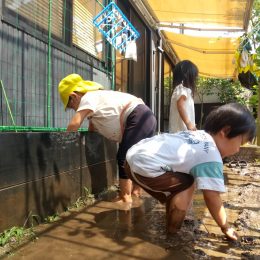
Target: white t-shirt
(190, 152)
(110, 111)
(176, 123)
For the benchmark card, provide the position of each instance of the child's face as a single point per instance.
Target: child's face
(229, 146)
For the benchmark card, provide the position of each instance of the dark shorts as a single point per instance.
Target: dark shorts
(163, 187)
(140, 124)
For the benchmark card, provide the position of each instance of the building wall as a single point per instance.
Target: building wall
(31, 91)
(44, 173)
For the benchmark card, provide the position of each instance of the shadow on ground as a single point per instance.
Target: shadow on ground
(109, 230)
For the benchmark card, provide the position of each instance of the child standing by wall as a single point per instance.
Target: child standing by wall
(182, 114)
(166, 165)
(118, 116)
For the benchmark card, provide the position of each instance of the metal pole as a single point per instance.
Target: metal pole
(159, 84)
(49, 67)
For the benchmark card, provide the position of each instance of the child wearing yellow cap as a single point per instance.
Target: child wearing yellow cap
(118, 116)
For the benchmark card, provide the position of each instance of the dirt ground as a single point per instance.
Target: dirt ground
(108, 230)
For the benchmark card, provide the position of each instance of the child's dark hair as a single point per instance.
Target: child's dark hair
(236, 116)
(185, 72)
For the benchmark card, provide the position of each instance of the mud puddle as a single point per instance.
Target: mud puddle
(109, 230)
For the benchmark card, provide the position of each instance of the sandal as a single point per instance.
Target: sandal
(233, 164)
(242, 164)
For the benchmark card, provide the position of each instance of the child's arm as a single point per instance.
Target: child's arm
(183, 114)
(217, 210)
(77, 119)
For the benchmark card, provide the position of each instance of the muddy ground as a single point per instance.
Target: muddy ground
(108, 230)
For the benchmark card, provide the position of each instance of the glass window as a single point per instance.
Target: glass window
(36, 14)
(85, 35)
(121, 73)
(71, 21)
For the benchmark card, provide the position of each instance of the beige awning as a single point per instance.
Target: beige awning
(213, 55)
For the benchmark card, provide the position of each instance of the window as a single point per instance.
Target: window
(71, 21)
(85, 34)
(36, 14)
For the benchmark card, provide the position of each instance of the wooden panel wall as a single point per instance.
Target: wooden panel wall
(43, 173)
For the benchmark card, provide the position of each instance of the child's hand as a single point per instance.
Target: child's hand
(191, 127)
(230, 233)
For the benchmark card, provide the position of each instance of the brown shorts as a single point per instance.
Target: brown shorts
(163, 187)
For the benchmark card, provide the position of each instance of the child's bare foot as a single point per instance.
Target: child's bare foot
(137, 191)
(123, 199)
(125, 191)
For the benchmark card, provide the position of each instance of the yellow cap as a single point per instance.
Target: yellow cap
(74, 82)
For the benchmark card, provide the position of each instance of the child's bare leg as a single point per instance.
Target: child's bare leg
(125, 186)
(137, 190)
(176, 209)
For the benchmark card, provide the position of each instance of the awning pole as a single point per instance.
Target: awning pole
(159, 48)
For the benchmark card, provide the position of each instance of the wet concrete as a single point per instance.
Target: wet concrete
(109, 230)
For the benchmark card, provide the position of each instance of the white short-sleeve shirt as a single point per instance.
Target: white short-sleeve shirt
(176, 123)
(110, 109)
(190, 152)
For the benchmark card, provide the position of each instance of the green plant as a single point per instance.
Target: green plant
(87, 199)
(253, 101)
(78, 203)
(108, 193)
(250, 48)
(205, 87)
(14, 235)
(232, 91)
(53, 218)
(225, 89)
(88, 195)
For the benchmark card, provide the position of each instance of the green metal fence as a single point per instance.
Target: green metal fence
(41, 42)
